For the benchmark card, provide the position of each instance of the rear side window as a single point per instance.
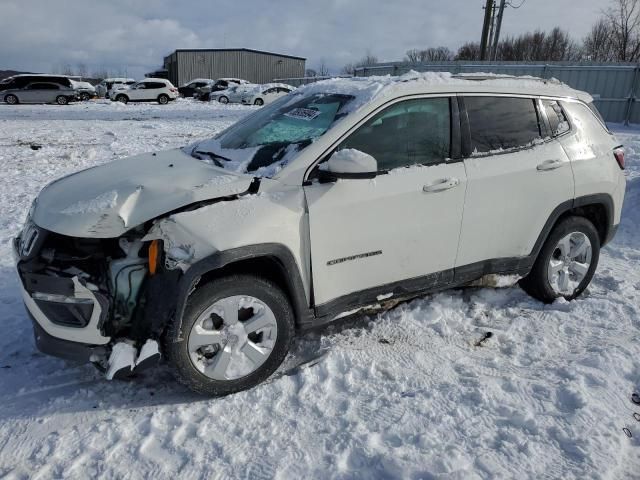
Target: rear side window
(501, 123)
(154, 85)
(557, 119)
(413, 132)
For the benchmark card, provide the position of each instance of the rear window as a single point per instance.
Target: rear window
(557, 119)
(597, 113)
(501, 123)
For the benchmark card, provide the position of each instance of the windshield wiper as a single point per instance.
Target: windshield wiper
(213, 156)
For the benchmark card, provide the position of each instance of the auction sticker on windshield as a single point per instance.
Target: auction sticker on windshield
(303, 113)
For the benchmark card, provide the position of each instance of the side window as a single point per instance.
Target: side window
(407, 133)
(269, 90)
(154, 85)
(557, 119)
(501, 123)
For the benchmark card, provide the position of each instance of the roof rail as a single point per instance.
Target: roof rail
(484, 76)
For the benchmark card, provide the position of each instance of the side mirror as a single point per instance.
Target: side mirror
(350, 163)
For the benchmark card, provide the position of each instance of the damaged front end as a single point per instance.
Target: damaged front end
(85, 294)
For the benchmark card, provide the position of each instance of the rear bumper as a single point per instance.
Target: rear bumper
(610, 234)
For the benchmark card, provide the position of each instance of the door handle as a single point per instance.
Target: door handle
(549, 165)
(441, 185)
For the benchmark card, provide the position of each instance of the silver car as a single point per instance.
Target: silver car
(40, 92)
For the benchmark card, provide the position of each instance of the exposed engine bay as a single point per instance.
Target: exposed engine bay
(104, 283)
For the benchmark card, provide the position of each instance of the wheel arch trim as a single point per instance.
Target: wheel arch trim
(226, 258)
(603, 199)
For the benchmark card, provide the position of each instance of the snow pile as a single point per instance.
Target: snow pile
(404, 394)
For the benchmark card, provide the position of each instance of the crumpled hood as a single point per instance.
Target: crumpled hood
(108, 200)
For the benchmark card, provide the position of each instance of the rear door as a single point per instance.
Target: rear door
(517, 175)
(399, 231)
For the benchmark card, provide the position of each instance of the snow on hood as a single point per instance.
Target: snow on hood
(108, 200)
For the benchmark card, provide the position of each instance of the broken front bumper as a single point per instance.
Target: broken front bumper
(66, 314)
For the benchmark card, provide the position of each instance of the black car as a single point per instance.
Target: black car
(203, 93)
(190, 88)
(21, 81)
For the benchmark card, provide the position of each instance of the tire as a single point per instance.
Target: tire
(62, 100)
(556, 255)
(163, 99)
(85, 97)
(189, 366)
(11, 100)
(258, 101)
(223, 99)
(122, 99)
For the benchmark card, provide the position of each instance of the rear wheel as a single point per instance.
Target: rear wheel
(122, 99)
(235, 333)
(223, 99)
(11, 99)
(258, 101)
(163, 99)
(567, 262)
(62, 100)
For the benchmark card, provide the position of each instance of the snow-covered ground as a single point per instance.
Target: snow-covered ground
(405, 394)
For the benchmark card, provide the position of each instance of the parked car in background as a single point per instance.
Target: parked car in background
(203, 93)
(148, 90)
(40, 92)
(232, 94)
(84, 89)
(22, 80)
(266, 93)
(105, 86)
(189, 88)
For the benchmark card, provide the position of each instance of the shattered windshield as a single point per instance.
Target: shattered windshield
(264, 142)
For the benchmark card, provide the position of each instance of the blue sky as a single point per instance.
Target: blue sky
(132, 36)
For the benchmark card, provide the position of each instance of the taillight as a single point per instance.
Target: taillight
(619, 154)
(173, 89)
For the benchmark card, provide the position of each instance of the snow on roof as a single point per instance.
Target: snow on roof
(366, 89)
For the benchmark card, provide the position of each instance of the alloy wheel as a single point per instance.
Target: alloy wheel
(569, 263)
(232, 338)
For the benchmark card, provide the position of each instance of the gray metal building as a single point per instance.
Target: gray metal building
(253, 65)
(614, 86)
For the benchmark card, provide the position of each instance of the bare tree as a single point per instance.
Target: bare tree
(81, 69)
(597, 46)
(437, 54)
(468, 51)
(323, 69)
(366, 61)
(624, 27)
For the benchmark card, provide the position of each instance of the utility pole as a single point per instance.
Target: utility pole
(496, 37)
(492, 26)
(488, 9)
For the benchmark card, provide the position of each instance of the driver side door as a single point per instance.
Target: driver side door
(399, 232)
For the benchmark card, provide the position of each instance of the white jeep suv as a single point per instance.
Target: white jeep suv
(147, 90)
(345, 194)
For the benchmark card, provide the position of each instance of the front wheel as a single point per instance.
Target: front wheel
(258, 101)
(163, 99)
(62, 100)
(122, 99)
(567, 262)
(223, 99)
(235, 332)
(85, 97)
